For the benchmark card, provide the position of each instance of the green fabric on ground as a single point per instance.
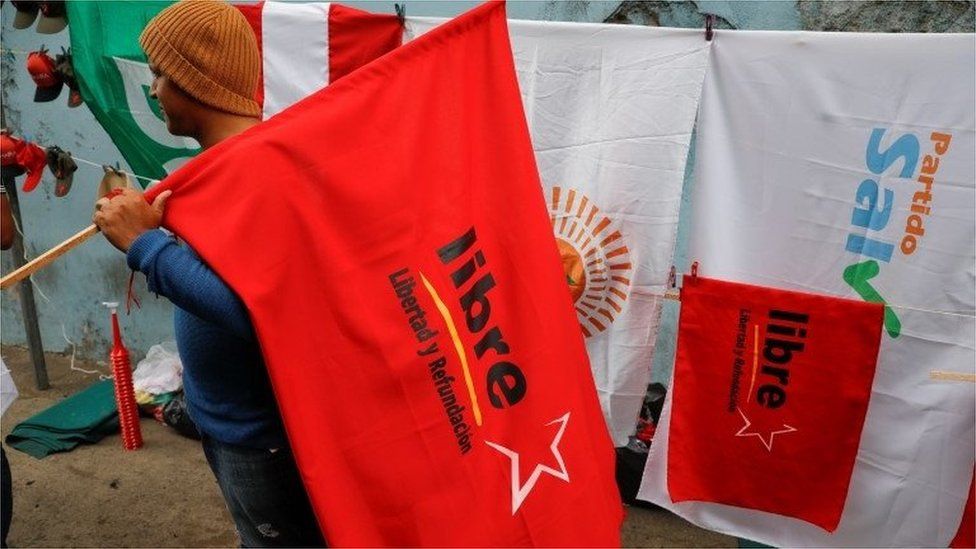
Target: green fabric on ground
(749, 544)
(85, 417)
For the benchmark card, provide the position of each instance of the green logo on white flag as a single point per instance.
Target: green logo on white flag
(114, 79)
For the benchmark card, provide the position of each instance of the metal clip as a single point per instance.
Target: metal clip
(401, 13)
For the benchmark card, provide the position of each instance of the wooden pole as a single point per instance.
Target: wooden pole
(47, 257)
(27, 308)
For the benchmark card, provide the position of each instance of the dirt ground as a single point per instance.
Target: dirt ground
(164, 495)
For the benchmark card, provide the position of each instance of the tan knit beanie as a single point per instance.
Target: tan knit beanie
(208, 49)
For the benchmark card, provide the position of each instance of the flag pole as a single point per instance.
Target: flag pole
(28, 308)
(47, 257)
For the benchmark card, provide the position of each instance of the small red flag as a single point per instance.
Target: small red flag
(966, 534)
(770, 392)
(392, 245)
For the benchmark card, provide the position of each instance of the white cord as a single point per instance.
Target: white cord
(64, 331)
(97, 165)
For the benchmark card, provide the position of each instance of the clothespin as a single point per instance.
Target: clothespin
(709, 21)
(401, 13)
(694, 270)
(671, 292)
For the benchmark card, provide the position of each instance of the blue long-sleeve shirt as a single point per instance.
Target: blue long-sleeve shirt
(226, 383)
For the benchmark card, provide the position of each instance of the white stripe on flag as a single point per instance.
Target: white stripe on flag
(295, 47)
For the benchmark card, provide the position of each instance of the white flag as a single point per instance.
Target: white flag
(611, 109)
(843, 164)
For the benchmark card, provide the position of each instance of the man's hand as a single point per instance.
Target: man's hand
(127, 215)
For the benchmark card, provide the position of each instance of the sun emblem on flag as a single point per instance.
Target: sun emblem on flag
(596, 261)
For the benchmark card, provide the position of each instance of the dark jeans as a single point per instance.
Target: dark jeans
(264, 495)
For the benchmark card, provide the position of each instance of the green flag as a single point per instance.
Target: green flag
(114, 79)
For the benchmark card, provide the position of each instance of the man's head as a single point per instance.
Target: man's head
(204, 58)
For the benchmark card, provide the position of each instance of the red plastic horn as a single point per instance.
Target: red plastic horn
(125, 396)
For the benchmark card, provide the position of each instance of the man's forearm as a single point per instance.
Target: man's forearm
(176, 273)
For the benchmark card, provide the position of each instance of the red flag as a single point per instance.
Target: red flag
(390, 240)
(357, 37)
(770, 392)
(966, 534)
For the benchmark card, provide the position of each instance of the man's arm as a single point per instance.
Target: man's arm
(131, 225)
(176, 273)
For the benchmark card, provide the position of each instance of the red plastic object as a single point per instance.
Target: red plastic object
(125, 397)
(645, 431)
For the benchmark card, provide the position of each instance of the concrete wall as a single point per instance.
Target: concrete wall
(76, 284)
(79, 282)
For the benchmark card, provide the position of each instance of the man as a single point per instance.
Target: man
(206, 63)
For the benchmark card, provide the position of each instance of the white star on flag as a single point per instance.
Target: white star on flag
(519, 493)
(769, 445)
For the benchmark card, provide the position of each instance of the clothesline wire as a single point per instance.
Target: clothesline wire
(150, 180)
(15, 52)
(97, 165)
(22, 52)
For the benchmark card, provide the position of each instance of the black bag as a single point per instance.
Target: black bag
(632, 458)
(177, 416)
(630, 469)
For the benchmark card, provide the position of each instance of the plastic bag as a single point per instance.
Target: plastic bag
(160, 372)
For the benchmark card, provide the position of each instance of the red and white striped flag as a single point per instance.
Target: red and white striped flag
(305, 47)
